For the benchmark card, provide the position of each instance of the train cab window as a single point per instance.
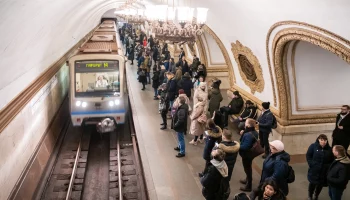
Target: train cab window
(97, 78)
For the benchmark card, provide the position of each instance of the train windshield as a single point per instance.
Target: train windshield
(97, 78)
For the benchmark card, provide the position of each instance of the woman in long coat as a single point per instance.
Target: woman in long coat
(319, 157)
(131, 55)
(201, 91)
(197, 128)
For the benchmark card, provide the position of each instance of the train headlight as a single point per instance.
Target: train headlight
(84, 104)
(117, 102)
(78, 103)
(111, 103)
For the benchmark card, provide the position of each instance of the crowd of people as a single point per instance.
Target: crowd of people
(188, 100)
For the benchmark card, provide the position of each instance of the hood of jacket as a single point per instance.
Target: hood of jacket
(215, 133)
(282, 156)
(344, 160)
(221, 167)
(229, 147)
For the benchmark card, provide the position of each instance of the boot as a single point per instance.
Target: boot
(243, 181)
(246, 188)
(163, 127)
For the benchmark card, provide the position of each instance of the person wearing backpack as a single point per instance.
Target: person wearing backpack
(276, 167)
(213, 179)
(339, 173)
(265, 122)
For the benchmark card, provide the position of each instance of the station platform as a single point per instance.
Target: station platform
(168, 177)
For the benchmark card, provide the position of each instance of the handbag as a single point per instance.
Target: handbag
(202, 119)
(257, 149)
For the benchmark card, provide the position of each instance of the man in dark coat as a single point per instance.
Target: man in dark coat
(155, 54)
(341, 133)
(212, 177)
(230, 148)
(172, 88)
(155, 82)
(339, 173)
(265, 127)
(194, 65)
(184, 65)
(180, 126)
(234, 107)
(131, 55)
(248, 138)
(319, 157)
(182, 54)
(186, 84)
(275, 166)
(215, 98)
(248, 112)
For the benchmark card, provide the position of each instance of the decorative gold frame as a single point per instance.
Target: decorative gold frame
(281, 40)
(257, 85)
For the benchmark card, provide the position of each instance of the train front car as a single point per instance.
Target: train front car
(97, 81)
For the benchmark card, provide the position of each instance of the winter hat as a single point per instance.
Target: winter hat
(266, 105)
(278, 145)
(236, 93)
(181, 91)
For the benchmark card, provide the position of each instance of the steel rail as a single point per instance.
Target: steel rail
(119, 169)
(76, 162)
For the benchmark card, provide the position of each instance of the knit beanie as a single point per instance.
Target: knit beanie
(266, 105)
(278, 145)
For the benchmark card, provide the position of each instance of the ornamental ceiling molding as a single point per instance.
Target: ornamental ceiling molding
(224, 53)
(249, 67)
(299, 24)
(279, 50)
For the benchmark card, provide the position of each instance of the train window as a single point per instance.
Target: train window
(97, 78)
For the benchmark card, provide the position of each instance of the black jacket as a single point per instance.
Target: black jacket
(319, 159)
(215, 99)
(212, 137)
(231, 150)
(248, 112)
(236, 105)
(344, 133)
(180, 118)
(155, 79)
(248, 138)
(338, 173)
(265, 122)
(211, 182)
(184, 66)
(276, 167)
(172, 89)
(186, 84)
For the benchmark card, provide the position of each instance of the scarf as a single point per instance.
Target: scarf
(221, 166)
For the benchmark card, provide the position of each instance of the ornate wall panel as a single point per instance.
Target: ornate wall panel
(249, 67)
(319, 37)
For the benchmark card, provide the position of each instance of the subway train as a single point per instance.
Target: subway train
(97, 80)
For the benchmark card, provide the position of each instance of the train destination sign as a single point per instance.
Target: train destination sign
(97, 64)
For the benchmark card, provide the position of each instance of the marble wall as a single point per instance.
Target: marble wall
(21, 137)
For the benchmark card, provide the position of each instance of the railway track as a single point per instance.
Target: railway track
(94, 166)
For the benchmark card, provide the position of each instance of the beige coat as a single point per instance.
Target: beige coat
(200, 93)
(197, 128)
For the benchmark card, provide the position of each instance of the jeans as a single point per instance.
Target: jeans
(166, 65)
(335, 193)
(196, 138)
(264, 141)
(313, 188)
(155, 92)
(247, 165)
(181, 139)
(148, 77)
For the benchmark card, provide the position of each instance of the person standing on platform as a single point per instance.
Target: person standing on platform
(163, 104)
(197, 125)
(319, 157)
(184, 65)
(201, 91)
(341, 133)
(230, 148)
(180, 126)
(131, 55)
(234, 107)
(182, 53)
(172, 66)
(214, 134)
(172, 88)
(215, 97)
(186, 84)
(142, 76)
(339, 173)
(248, 138)
(265, 122)
(212, 177)
(155, 82)
(197, 82)
(276, 166)
(162, 75)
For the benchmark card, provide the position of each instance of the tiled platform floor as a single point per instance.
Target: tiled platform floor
(169, 177)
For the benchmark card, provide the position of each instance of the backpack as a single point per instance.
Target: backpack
(291, 175)
(274, 121)
(224, 190)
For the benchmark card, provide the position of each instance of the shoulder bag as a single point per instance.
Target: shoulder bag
(256, 150)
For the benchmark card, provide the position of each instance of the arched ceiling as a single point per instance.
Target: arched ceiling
(35, 34)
